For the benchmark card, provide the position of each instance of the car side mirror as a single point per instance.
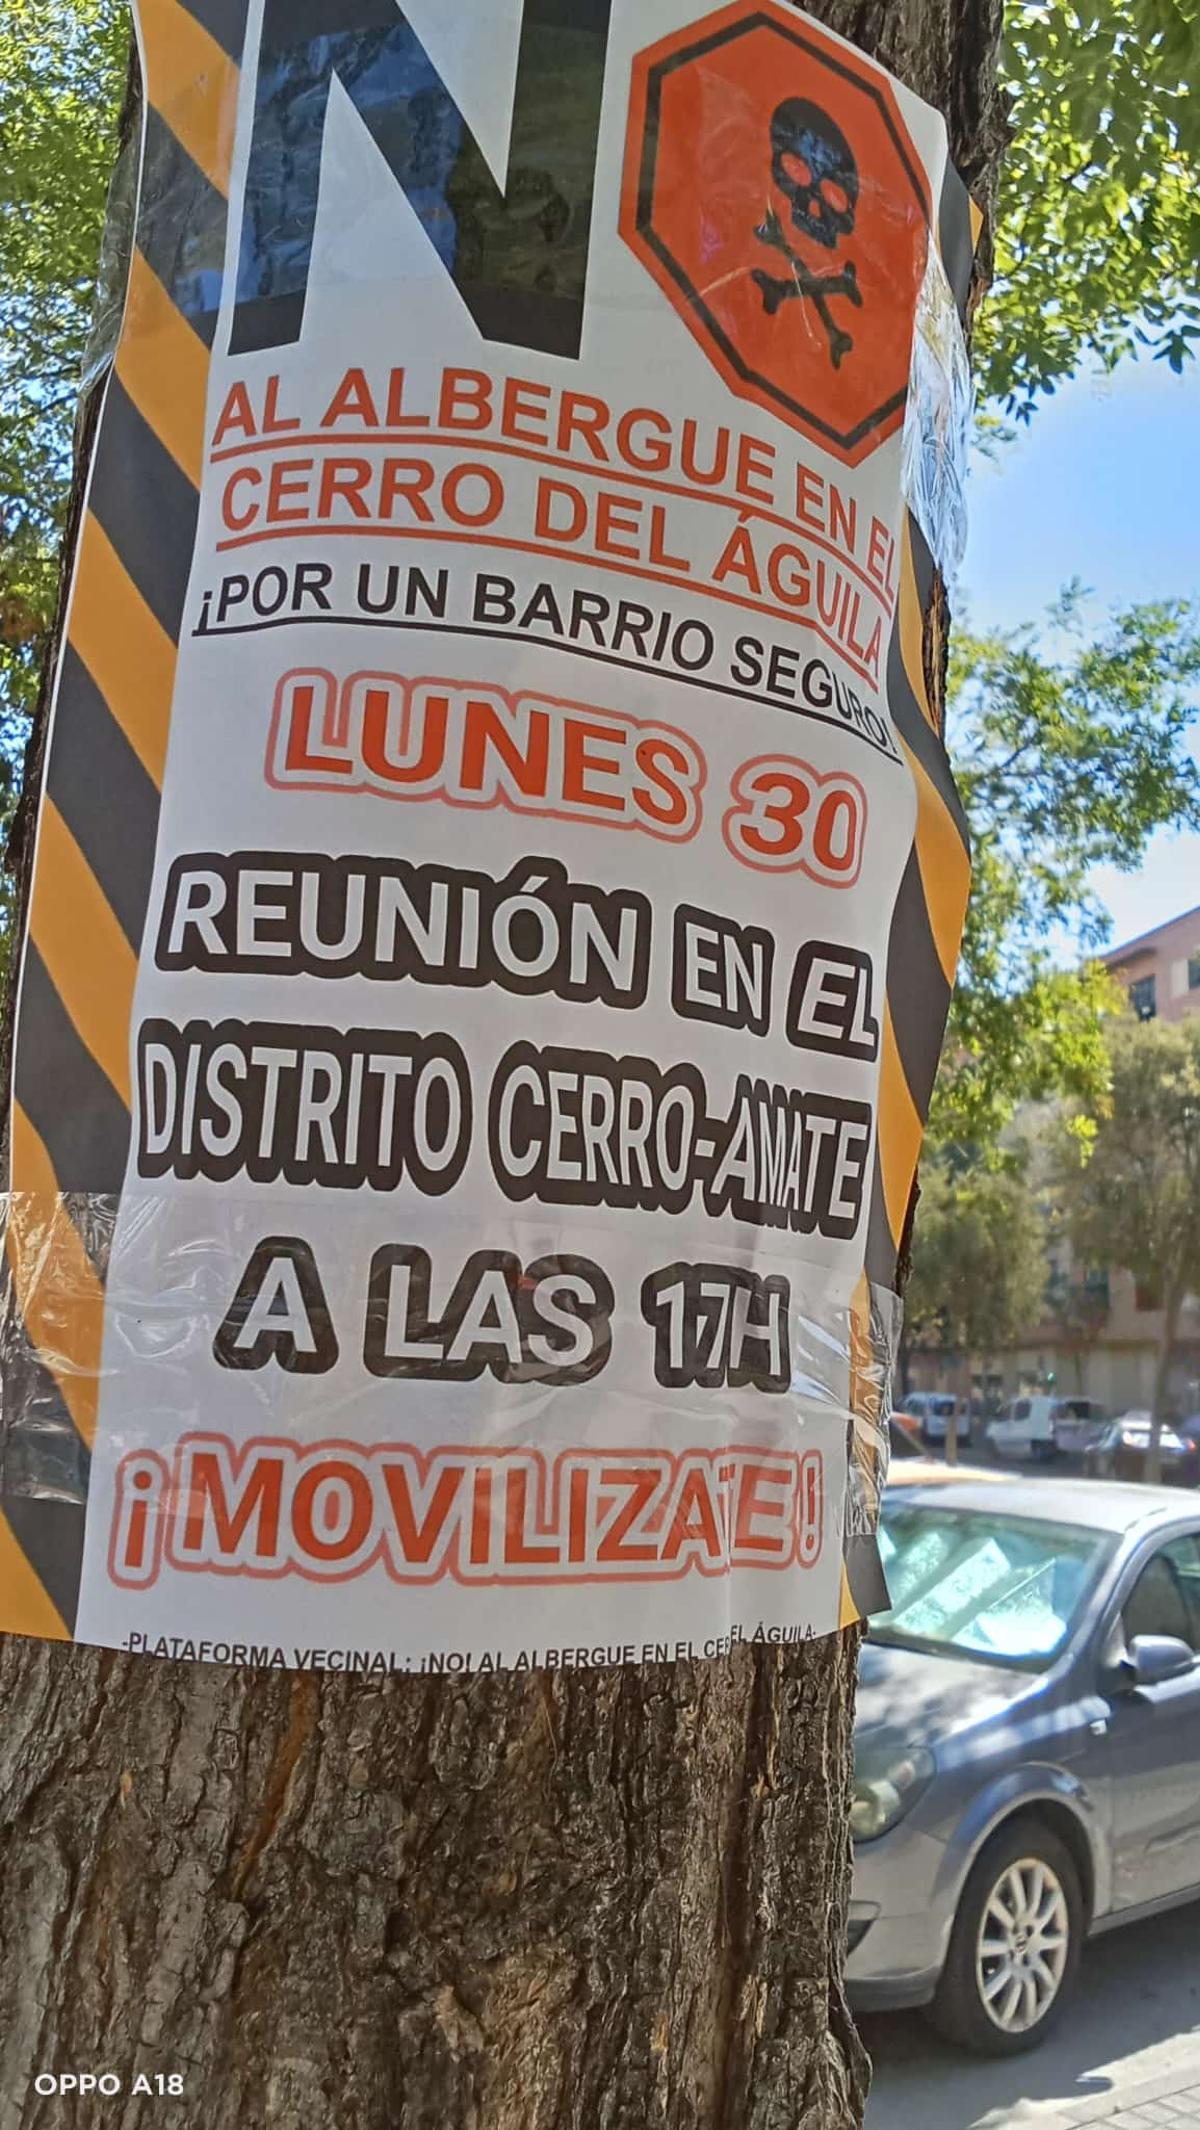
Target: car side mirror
(1152, 1659)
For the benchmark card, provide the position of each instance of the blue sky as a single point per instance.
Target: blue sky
(1102, 486)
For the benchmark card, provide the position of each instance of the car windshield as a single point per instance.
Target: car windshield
(1136, 1433)
(982, 1584)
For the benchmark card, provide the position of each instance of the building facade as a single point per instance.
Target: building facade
(1111, 1361)
(1161, 970)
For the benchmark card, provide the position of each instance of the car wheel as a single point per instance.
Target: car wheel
(1015, 1946)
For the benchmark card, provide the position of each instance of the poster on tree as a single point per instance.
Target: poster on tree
(498, 878)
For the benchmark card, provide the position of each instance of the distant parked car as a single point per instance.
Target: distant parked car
(1027, 1742)
(1077, 1423)
(931, 1411)
(1123, 1451)
(1045, 1427)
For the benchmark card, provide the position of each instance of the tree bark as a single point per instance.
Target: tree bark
(1168, 1339)
(604, 1901)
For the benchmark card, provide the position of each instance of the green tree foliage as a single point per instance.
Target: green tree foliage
(980, 1268)
(1071, 750)
(1079, 1305)
(1098, 240)
(62, 64)
(1135, 1203)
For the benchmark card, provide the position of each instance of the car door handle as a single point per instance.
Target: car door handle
(1099, 1726)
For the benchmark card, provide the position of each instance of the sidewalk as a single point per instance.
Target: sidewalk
(1170, 2103)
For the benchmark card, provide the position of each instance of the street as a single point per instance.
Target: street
(1134, 2027)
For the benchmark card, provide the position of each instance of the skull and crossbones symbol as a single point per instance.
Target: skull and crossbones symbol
(814, 168)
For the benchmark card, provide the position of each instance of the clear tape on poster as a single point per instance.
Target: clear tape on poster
(877, 1330)
(112, 271)
(938, 424)
(56, 1293)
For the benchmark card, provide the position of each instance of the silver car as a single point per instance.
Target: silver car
(1027, 1760)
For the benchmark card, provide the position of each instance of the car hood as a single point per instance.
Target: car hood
(915, 1699)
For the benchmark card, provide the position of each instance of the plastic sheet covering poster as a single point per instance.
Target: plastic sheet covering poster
(498, 880)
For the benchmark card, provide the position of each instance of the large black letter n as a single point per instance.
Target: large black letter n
(519, 257)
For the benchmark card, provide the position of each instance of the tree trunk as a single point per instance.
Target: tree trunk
(1168, 1337)
(952, 1435)
(601, 1901)
(904, 1363)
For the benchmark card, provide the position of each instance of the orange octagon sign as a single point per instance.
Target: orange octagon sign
(773, 191)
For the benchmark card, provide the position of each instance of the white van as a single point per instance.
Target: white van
(933, 1411)
(1046, 1426)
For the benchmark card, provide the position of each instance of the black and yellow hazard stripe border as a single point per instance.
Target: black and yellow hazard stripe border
(99, 811)
(923, 950)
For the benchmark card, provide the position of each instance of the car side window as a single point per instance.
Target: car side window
(1165, 1600)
